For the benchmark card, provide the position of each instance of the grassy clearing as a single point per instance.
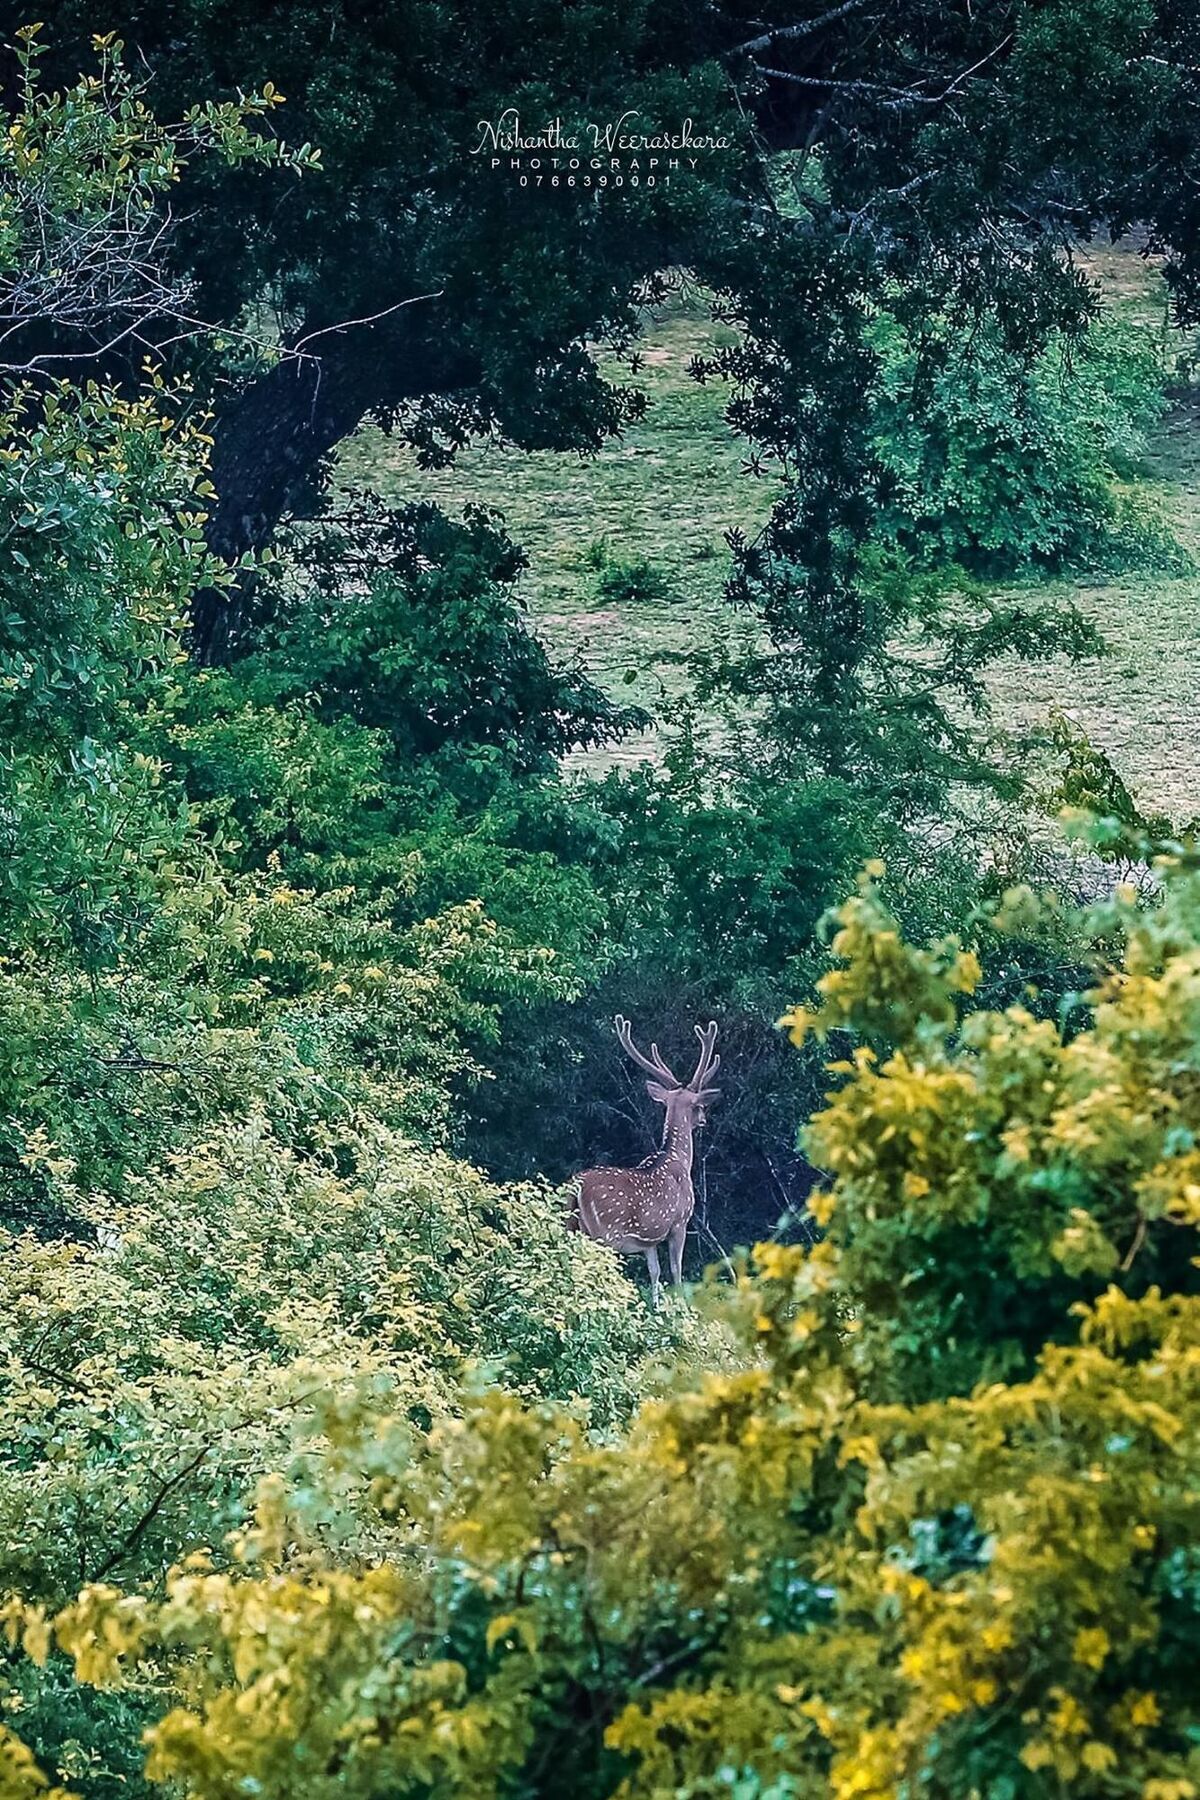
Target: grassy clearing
(1139, 702)
(668, 491)
(671, 488)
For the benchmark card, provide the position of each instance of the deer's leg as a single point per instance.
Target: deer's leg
(652, 1265)
(675, 1243)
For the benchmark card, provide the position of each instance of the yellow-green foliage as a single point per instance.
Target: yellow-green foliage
(879, 1558)
(20, 1777)
(150, 1379)
(230, 1226)
(243, 992)
(152, 1376)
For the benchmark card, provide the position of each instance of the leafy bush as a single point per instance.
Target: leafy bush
(100, 504)
(407, 622)
(633, 582)
(1000, 465)
(932, 1536)
(153, 1375)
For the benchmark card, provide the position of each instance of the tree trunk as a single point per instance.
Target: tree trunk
(269, 444)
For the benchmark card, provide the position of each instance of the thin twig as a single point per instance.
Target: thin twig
(1139, 1238)
(370, 319)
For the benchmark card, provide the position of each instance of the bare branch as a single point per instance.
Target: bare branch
(370, 319)
(753, 45)
(893, 97)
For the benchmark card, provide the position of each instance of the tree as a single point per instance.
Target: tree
(103, 494)
(85, 172)
(932, 150)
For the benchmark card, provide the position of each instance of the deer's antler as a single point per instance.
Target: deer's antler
(653, 1064)
(708, 1065)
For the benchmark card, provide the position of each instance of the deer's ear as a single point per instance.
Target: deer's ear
(706, 1095)
(657, 1092)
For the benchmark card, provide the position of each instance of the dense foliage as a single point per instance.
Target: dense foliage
(912, 1544)
(329, 1461)
(940, 160)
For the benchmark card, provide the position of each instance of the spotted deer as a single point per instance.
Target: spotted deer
(637, 1210)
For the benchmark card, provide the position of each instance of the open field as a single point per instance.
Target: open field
(674, 484)
(667, 491)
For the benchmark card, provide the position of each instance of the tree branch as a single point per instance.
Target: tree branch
(781, 32)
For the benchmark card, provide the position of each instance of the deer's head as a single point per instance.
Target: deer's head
(685, 1101)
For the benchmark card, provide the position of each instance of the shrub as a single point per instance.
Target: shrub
(636, 582)
(409, 623)
(155, 1374)
(896, 1551)
(1008, 465)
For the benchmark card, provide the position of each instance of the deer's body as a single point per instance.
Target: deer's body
(637, 1210)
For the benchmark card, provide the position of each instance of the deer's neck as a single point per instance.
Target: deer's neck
(677, 1145)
